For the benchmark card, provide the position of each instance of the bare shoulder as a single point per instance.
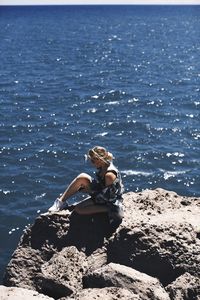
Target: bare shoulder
(110, 178)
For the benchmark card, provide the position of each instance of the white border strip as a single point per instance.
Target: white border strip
(100, 2)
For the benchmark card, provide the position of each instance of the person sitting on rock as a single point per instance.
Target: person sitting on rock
(105, 190)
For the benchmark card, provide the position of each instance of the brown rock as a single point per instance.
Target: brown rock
(14, 293)
(159, 236)
(25, 264)
(116, 275)
(164, 244)
(108, 293)
(62, 274)
(185, 287)
(49, 235)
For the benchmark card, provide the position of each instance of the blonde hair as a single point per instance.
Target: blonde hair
(101, 153)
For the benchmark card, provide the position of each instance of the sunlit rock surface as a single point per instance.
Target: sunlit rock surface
(152, 254)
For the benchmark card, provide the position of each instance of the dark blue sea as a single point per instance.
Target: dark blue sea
(72, 77)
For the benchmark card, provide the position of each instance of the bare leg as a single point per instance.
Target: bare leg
(88, 207)
(82, 181)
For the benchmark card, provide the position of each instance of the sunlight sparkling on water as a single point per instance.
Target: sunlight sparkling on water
(125, 78)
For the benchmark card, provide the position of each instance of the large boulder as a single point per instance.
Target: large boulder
(107, 293)
(15, 293)
(158, 237)
(143, 285)
(185, 287)
(62, 274)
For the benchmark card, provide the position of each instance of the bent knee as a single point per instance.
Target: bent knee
(84, 176)
(84, 179)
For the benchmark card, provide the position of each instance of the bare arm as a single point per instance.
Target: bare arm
(106, 194)
(109, 178)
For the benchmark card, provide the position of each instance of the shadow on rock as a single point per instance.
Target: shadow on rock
(52, 232)
(87, 233)
(46, 238)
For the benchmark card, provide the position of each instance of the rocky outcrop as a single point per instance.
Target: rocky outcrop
(15, 293)
(152, 254)
(185, 287)
(143, 285)
(108, 293)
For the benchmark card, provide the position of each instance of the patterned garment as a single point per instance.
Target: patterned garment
(108, 195)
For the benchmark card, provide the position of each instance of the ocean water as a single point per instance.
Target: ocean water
(71, 77)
